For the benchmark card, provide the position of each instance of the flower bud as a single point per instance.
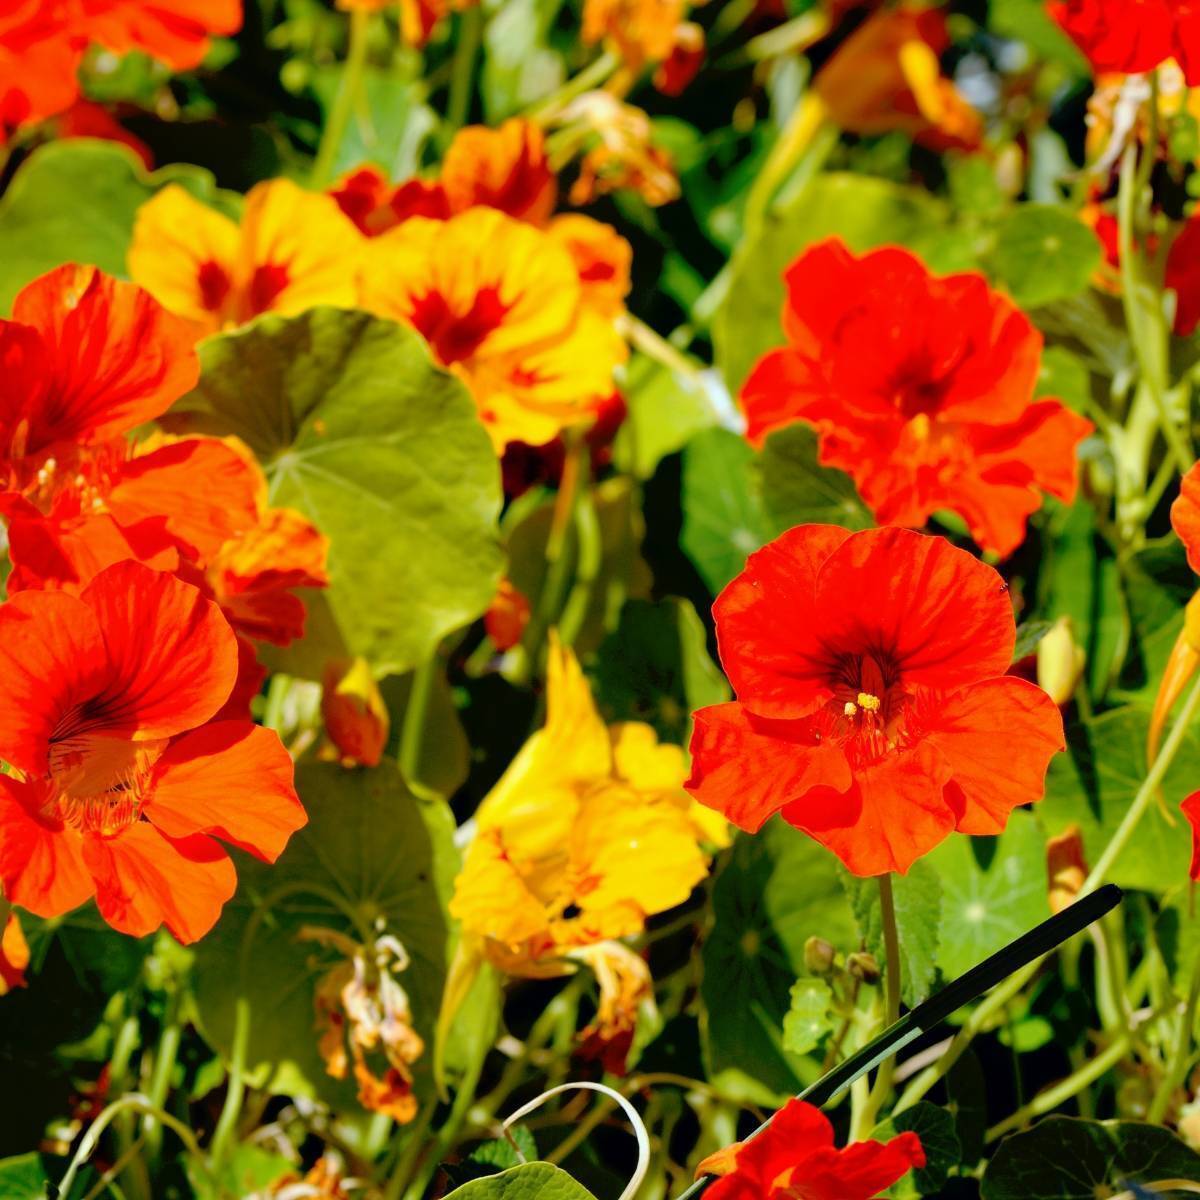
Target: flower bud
(863, 966)
(1060, 662)
(14, 954)
(506, 617)
(356, 717)
(1066, 867)
(818, 956)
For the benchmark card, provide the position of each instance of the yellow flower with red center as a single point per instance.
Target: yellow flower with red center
(501, 304)
(291, 251)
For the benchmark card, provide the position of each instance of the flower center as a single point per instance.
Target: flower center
(456, 335)
(98, 778)
(869, 715)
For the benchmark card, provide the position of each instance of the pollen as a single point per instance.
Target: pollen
(850, 709)
(868, 702)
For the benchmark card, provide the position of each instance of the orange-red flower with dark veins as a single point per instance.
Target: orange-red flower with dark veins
(124, 780)
(39, 55)
(85, 358)
(1116, 35)
(794, 1158)
(873, 710)
(921, 387)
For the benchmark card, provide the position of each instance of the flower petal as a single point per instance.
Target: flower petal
(145, 879)
(998, 738)
(174, 658)
(232, 780)
(748, 767)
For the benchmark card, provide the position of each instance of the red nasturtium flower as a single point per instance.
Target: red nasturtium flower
(1116, 35)
(176, 32)
(38, 59)
(873, 710)
(123, 780)
(921, 387)
(1185, 519)
(794, 1158)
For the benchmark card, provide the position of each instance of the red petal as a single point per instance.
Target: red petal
(998, 738)
(1191, 810)
(895, 812)
(749, 767)
(173, 655)
(145, 879)
(41, 867)
(52, 657)
(118, 358)
(230, 779)
(860, 1171)
(1185, 516)
(942, 617)
(769, 625)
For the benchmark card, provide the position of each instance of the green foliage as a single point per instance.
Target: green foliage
(777, 889)
(993, 890)
(533, 1181)
(383, 452)
(655, 667)
(342, 873)
(935, 1127)
(40, 219)
(1061, 1158)
(798, 490)
(810, 1016)
(1043, 254)
(28, 1177)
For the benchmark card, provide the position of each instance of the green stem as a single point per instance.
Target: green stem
(416, 714)
(160, 1078)
(882, 1087)
(1181, 1056)
(591, 77)
(1062, 1091)
(349, 89)
(136, 1177)
(466, 51)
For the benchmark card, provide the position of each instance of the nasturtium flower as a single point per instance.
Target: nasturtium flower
(795, 1158)
(176, 32)
(886, 77)
(293, 250)
(873, 710)
(602, 257)
(85, 358)
(501, 304)
(418, 18)
(586, 835)
(14, 955)
(1116, 35)
(503, 168)
(648, 31)
(122, 782)
(355, 715)
(921, 387)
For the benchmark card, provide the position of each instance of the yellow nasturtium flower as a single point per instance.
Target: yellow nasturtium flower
(587, 834)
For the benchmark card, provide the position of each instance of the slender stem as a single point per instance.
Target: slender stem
(884, 1077)
(1181, 1056)
(466, 51)
(1062, 1091)
(416, 713)
(349, 88)
(160, 1078)
(591, 77)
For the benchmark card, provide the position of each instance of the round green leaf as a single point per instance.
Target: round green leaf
(935, 1127)
(384, 452)
(533, 1181)
(1044, 253)
(1062, 1158)
(370, 850)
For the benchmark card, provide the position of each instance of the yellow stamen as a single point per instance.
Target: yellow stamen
(868, 702)
(850, 709)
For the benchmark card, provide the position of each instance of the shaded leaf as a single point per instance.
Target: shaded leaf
(939, 1139)
(798, 490)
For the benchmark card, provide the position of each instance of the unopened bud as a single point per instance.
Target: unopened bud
(1060, 662)
(356, 717)
(506, 617)
(818, 956)
(1066, 868)
(863, 966)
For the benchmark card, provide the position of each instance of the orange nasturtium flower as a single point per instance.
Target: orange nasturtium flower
(123, 780)
(886, 77)
(14, 955)
(293, 250)
(356, 717)
(648, 31)
(39, 55)
(501, 305)
(794, 1158)
(418, 18)
(921, 387)
(586, 835)
(503, 168)
(873, 710)
(176, 32)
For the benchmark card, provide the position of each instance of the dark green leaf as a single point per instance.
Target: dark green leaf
(935, 1127)
(1062, 1158)
(797, 490)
